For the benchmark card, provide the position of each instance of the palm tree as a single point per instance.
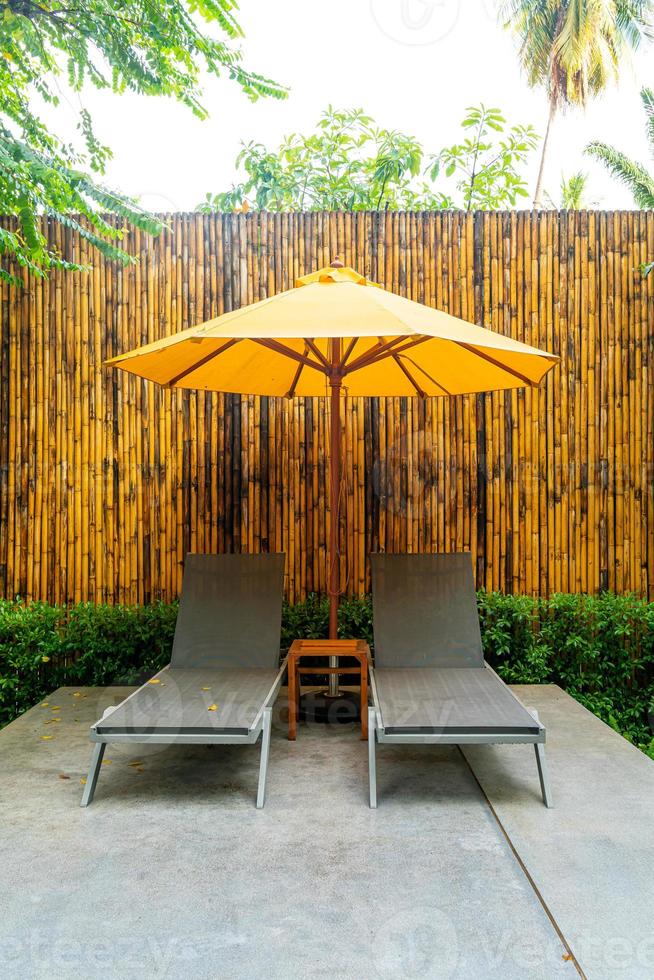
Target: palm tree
(573, 48)
(572, 194)
(631, 173)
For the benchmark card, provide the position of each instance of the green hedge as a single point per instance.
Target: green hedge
(599, 648)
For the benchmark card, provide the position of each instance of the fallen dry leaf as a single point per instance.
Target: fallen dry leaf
(77, 694)
(56, 708)
(106, 762)
(567, 957)
(154, 680)
(83, 781)
(135, 763)
(205, 688)
(61, 776)
(46, 738)
(212, 707)
(44, 704)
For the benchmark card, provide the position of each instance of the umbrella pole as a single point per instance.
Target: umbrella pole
(334, 507)
(335, 463)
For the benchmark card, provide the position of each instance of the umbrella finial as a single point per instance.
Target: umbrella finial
(336, 263)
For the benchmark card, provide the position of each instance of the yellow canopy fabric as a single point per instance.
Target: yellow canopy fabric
(336, 323)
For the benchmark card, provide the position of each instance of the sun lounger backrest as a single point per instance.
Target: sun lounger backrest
(425, 611)
(229, 611)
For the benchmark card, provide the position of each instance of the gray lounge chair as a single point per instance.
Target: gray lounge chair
(224, 673)
(430, 682)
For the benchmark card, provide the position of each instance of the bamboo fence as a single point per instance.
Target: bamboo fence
(106, 482)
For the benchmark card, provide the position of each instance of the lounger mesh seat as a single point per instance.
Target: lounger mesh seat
(181, 700)
(224, 672)
(430, 682)
(450, 699)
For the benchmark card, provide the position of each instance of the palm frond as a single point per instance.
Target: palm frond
(574, 48)
(647, 98)
(630, 173)
(635, 19)
(573, 191)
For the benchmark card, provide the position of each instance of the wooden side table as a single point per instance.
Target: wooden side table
(358, 649)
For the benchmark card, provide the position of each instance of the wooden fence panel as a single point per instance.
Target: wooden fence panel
(106, 481)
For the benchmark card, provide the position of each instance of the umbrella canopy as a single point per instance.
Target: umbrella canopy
(337, 329)
(336, 322)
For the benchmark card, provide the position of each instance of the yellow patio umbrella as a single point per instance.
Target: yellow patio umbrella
(337, 329)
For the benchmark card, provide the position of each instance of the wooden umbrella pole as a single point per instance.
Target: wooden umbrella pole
(334, 506)
(335, 462)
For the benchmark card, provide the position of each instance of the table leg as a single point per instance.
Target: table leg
(363, 664)
(292, 699)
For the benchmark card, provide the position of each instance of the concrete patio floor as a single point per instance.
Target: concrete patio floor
(461, 872)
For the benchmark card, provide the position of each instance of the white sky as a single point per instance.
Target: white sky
(414, 65)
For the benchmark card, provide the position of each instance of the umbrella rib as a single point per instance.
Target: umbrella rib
(498, 364)
(428, 375)
(348, 351)
(314, 350)
(381, 351)
(288, 352)
(296, 377)
(371, 355)
(203, 360)
(419, 391)
(405, 371)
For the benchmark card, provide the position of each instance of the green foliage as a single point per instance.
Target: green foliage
(347, 164)
(510, 638)
(635, 176)
(34, 183)
(43, 646)
(117, 644)
(355, 619)
(158, 47)
(632, 174)
(29, 640)
(485, 167)
(310, 620)
(572, 194)
(599, 648)
(350, 164)
(574, 50)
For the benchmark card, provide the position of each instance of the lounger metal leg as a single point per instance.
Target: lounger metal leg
(372, 759)
(541, 762)
(265, 752)
(94, 769)
(543, 774)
